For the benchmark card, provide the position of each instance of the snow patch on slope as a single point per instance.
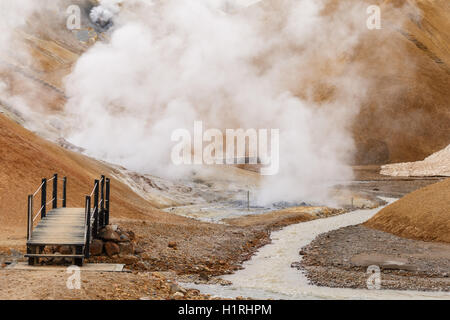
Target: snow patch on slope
(438, 164)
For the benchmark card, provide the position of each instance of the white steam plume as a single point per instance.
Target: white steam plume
(14, 16)
(104, 13)
(169, 63)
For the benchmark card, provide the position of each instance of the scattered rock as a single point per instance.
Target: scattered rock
(126, 248)
(141, 265)
(174, 288)
(131, 235)
(204, 276)
(111, 248)
(51, 249)
(146, 256)
(96, 247)
(58, 260)
(129, 259)
(124, 238)
(178, 295)
(224, 283)
(109, 235)
(172, 244)
(65, 250)
(138, 250)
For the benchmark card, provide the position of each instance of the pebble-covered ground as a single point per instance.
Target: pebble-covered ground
(340, 258)
(52, 285)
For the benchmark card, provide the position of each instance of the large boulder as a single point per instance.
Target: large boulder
(96, 247)
(108, 234)
(112, 248)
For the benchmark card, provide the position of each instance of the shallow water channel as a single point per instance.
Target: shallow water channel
(268, 275)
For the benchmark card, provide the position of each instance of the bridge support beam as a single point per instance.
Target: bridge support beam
(64, 199)
(102, 203)
(95, 226)
(107, 202)
(88, 223)
(55, 191)
(44, 198)
(30, 216)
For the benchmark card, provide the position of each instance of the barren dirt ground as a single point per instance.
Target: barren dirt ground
(52, 285)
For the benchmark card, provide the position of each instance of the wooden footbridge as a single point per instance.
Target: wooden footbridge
(73, 228)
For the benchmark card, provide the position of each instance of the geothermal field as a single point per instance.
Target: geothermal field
(224, 149)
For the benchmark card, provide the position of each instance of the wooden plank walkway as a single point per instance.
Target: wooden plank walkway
(62, 226)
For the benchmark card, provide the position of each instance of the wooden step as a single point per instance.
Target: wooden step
(50, 255)
(57, 242)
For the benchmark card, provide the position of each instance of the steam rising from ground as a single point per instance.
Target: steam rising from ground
(103, 14)
(169, 63)
(280, 65)
(14, 16)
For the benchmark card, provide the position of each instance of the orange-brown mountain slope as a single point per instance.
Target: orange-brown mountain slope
(407, 114)
(422, 215)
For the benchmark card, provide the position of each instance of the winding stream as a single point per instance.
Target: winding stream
(268, 275)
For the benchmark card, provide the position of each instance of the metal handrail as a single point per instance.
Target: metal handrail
(38, 189)
(42, 184)
(92, 193)
(93, 212)
(37, 214)
(42, 211)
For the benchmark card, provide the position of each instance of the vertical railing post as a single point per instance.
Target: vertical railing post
(44, 198)
(64, 199)
(107, 202)
(55, 191)
(88, 225)
(30, 217)
(102, 202)
(95, 227)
